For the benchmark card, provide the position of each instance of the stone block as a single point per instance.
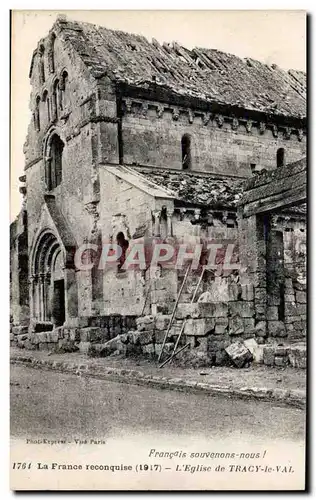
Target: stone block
(242, 309)
(21, 337)
(281, 350)
(247, 292)
(261, 329)
(302, 363)
(20, 330)
(301, 309)
(280, 361)
(90, 334)
(239, 354)
(258, 278)
(43, 337)
(297, 356)
(162, 322)
(289, 297)
(52, 336)
(272, 313)
(221, 325)
(175, 330)
(236, 326)
(146, 337)
(260, 295)
(34, 338)
(255, 349)
(299, 286)
(188, 310)
(273, 300)
(260, 312)
(268, 355)
(233, 291)
(75, 335)
(148, 349)
(292, 319)
(160, 335)
(276, 328)
(212, 309)
(249, 325)
(290, 309)
(199, 327)
(83, 322)
(221, 310)
(145, 323)
(144, 327)
(205, 297)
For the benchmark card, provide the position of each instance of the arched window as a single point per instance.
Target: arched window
(50, 53)
(124, 244)
(54, 163)
(63, 84)
(37, 121)
(186, 152)
(280, 157)
(55, 100)
(46, 105)
(41, 68)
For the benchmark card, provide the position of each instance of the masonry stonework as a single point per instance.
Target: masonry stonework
(148, 152)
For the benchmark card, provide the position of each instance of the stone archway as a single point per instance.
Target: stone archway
(48, 280)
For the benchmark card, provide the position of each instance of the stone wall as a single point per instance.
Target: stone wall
(208, 327)
(286, 278)
(285, 355)
(19, 294)
(96, 205)
(152, 135)
(93, 330)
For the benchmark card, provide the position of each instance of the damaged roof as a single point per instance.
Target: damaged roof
(206, 74)
(195, 188)
(189, 188)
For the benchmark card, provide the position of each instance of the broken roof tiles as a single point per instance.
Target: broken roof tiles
(207, 74)
(197, 189)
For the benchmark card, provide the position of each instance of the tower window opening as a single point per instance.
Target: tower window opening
(186, 152)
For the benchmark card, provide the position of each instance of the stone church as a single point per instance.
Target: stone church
(131, 140)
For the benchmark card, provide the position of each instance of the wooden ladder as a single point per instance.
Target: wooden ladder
(175, 352)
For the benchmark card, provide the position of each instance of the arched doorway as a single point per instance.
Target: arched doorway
(48, 283)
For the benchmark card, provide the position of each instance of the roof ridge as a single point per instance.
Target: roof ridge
(63, 19)
(207, 74)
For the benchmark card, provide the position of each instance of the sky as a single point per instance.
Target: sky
(270, 36)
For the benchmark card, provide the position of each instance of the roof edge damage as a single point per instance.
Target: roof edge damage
(190, 188)
(205, 74)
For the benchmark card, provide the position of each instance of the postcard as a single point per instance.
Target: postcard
(158, 250)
